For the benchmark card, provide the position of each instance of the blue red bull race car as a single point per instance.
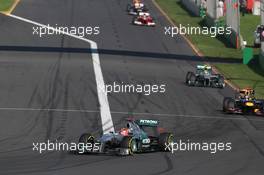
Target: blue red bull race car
(244, 103)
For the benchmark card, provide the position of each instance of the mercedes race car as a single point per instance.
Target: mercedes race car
(138, 136)
(204, 77)
(244, 103)
(136, 7)
(144, 19)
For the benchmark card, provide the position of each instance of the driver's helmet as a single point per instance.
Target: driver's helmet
(145, 15)
(247, 97)
(206, 70)
(124, 131)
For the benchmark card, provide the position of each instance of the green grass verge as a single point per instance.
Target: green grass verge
(6, 4)
(248, 24)
(209, 46)
(241, 75)
(244, 76)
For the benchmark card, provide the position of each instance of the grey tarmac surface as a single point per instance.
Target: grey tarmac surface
(50, 75)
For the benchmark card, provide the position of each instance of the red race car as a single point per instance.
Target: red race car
(144, 19)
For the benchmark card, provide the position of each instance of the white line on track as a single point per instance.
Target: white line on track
(106, 118)
(232, 117)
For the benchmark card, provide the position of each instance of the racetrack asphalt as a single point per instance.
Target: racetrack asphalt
(55, 72)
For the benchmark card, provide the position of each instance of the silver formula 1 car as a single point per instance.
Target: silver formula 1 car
(204, 77)
(137, 137)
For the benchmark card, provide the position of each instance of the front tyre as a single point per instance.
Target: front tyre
(134, 19)
(228, 103)
(165, 139)
(130, 144)
(221, 81)
(86, 139)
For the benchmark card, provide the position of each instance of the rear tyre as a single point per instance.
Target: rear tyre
(187, 78)
(190, 79)
(133, 20)
(165, 139)
(221, 81)
(207, 82)
(130, 144)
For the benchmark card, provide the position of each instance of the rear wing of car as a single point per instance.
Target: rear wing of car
(144, 122)
(203, 67)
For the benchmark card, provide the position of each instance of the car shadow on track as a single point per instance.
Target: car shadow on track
(121, 53)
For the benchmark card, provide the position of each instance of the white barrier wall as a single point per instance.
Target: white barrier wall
(211, 8)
